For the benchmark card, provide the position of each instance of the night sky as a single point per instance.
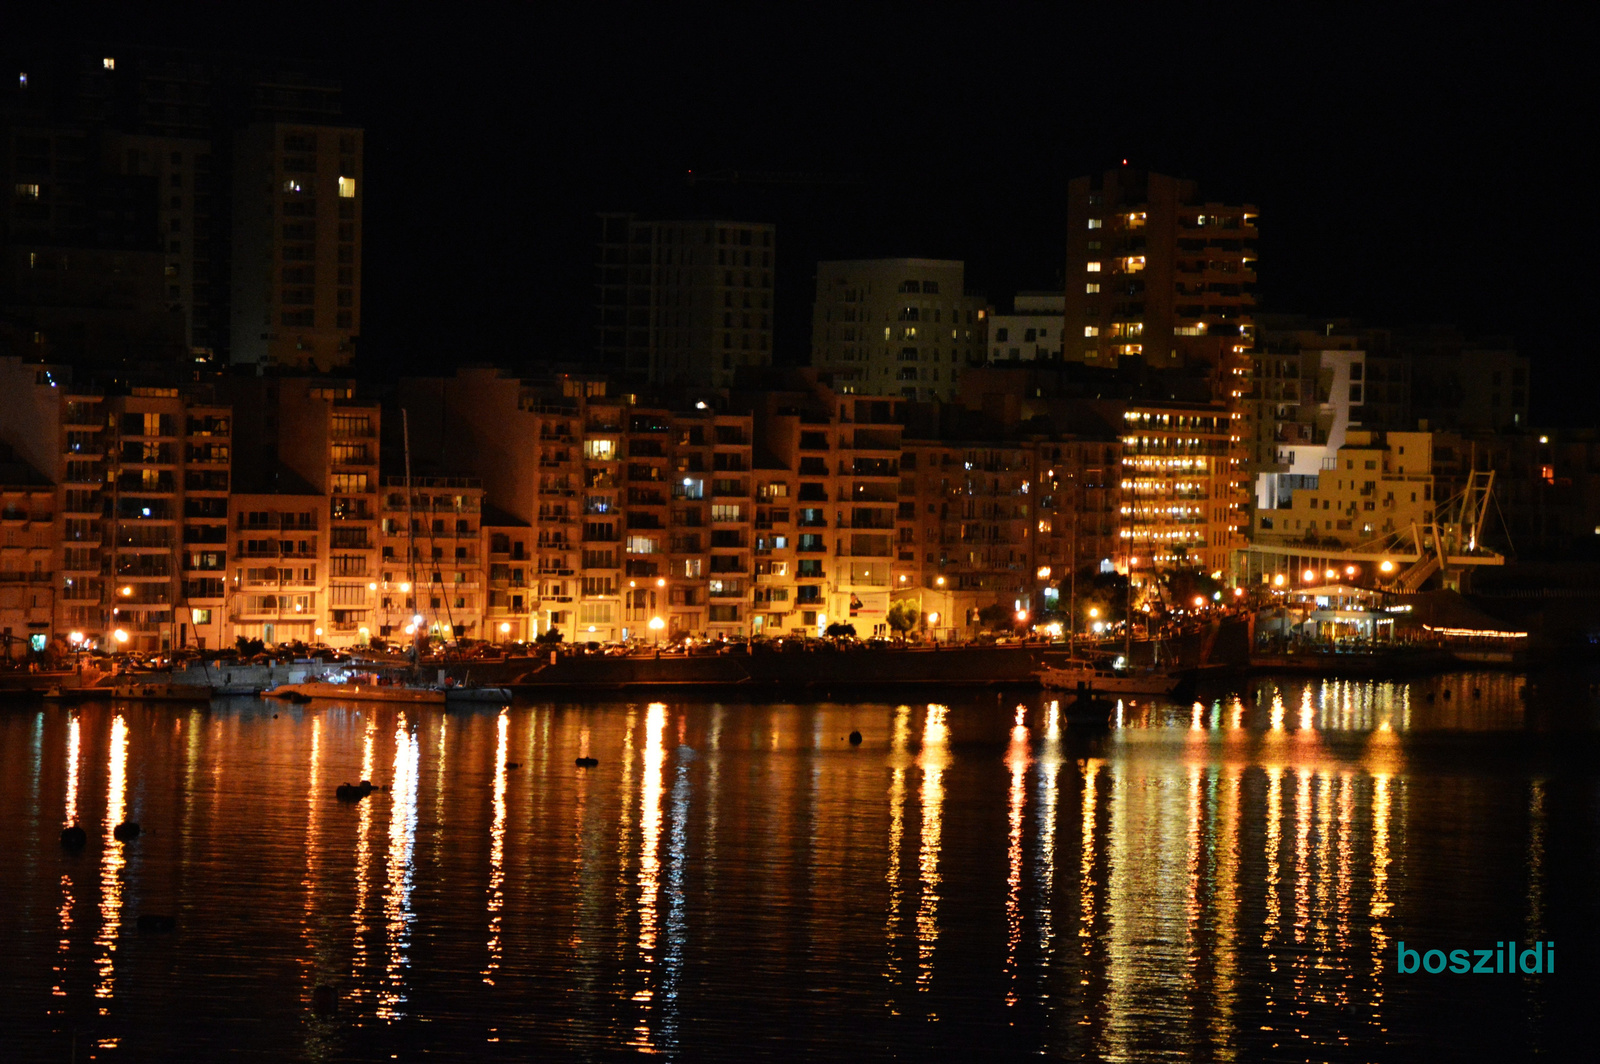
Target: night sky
(1435, 168)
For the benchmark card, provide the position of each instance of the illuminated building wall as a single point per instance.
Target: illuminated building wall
(1182, 487)
(434, 545)
(1377, 483)
(901, 327)
(28, 544)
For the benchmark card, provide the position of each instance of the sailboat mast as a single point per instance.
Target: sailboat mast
(411, 537)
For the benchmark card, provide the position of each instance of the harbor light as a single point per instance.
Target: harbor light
(127, 591)
(416, 618)
(656, 624)
(1331, 574)
(120, 635)
(1094, 612)
(933, 618)
(405, 588)
(1277, 581)
(317, 631)
(75, 638)
(372, 586)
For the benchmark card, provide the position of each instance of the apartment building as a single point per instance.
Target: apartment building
(122, 233)
(1376, 484)
(296, 244)
(900, 327)
(686, 302)
(1031, 332)
(431, 563)
(29, 553)
(1155, 272)
(1183, 488)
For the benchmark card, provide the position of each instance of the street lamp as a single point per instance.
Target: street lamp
(1386, 566)
(1199, 602)
(656, 624)
(120, 635)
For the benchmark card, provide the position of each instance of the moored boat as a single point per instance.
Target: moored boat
(358, 691)
(491, 695)
(1099, 678)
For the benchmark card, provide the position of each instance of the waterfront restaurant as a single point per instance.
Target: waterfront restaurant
(1329, 615)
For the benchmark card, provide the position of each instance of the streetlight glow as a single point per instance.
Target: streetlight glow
(120, 636)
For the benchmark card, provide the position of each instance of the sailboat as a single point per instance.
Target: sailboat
(1122, 678)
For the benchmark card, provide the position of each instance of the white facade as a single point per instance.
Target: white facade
(1032, 332)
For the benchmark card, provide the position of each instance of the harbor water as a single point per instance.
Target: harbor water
(1224, 878)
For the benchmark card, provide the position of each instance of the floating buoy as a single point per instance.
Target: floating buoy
(353, 792)
(274, 716)
(74, 838)
(1476, 693)
(128, 829)
(855, 738)
(588, 762)
(154, 922)
(324, 1000)
(513, 764)
(1447, 694)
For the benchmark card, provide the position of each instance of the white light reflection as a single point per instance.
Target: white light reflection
(898, 763)
(1049, 769)
(935, 736)
(1017, 760)
(650, 786)
(112, 862)
(358, 960)
(401, 871)
(497, 850)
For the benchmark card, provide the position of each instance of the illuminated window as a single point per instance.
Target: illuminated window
(22, 81)
(292, 186)
(1091, 330)
(1133, 263)
(1091, 289)
(1093, 267)
(109, 63)
(347, 188)
(1191, 330)
(28, 191)
(1094, 223)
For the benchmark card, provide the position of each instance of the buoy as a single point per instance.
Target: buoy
(274, 716)
(513, 764)
(855, 738)
(1447, 694)
(74, 838)
(1476, 693)
(154, 922)
(324, 1000)
(128, 829)
(588, 762)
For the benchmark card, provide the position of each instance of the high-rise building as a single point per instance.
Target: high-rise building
(684, 302)
(117, 235)
(297, 245)
(1155, 272)
(900, 327)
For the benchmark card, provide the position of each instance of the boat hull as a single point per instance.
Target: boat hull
(1105, 681)
(360, 692)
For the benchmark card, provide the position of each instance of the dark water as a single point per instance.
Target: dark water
(1225, 880)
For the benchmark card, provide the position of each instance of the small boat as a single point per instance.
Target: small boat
(357, 691)
(492, 695)
(1088, 676)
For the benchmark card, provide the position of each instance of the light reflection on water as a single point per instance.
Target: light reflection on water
(1241, 873)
